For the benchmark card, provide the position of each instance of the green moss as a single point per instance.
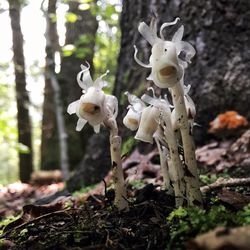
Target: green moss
(6, 221)
(84, 190)
(186, 223)
(207, 179)
(128, 145)
(137, 184)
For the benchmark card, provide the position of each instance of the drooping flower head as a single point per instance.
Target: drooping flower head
(145, 118)
(167, 67)
(94, 105)
(133, 116)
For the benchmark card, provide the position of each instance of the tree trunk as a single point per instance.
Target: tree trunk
(50, 144)
(50, 75)
(86, 25)
(22, 98)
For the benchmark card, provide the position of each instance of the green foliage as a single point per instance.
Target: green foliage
(71, 17)
(8, 133)
(84, 190)
(186, 223)
(5, 222)
(207, 179)
(128, 145)
(68, 50)
(137, 184)
(107, 43)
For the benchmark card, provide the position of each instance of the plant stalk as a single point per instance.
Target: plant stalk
(193, 192)
(118, 178)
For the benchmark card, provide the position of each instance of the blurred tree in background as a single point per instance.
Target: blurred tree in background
(22, 98)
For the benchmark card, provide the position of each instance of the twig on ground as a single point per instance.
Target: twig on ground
(223, 182)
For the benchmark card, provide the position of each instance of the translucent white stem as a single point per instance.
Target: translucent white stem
(118, 177)
(175, 169)
(190, 165)
(165, 163)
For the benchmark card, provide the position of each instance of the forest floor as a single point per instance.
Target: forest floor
(87, 219)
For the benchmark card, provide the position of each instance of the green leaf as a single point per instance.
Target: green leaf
(23, 149)
(68, 50)
(82, 52)
(71, 17)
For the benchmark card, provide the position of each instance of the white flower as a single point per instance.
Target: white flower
(94, 105)
(133, 117)
(167, 67)
(151, 117)
(148, 124)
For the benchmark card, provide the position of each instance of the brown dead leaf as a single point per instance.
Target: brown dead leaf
(226, 154)
(222, 238)
(210, 154)
(234, 199)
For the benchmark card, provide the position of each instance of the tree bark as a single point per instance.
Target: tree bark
(22, 98)
(50, 143)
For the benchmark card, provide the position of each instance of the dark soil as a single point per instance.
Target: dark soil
(96, 225)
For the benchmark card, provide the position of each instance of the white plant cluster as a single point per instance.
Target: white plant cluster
(154, 118)
(170, 126)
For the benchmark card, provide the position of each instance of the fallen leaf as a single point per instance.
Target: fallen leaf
(234, 199)
(222, 238)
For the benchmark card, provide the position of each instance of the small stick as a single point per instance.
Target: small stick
(223, 182)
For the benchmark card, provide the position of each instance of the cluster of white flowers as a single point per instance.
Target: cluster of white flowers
(170, 126)
(154, 118)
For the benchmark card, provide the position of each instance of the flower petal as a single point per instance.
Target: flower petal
(187, 48)
(133, 99)
(166, 25)
(72, 107)
(80, 124)
(100, 83)
(97, 128)
(84, 78)
(140, 62)
(148, 33)
(177, 37)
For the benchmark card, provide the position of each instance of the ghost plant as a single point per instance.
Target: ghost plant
(98, 108)
(154, 124)
(167, 72)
